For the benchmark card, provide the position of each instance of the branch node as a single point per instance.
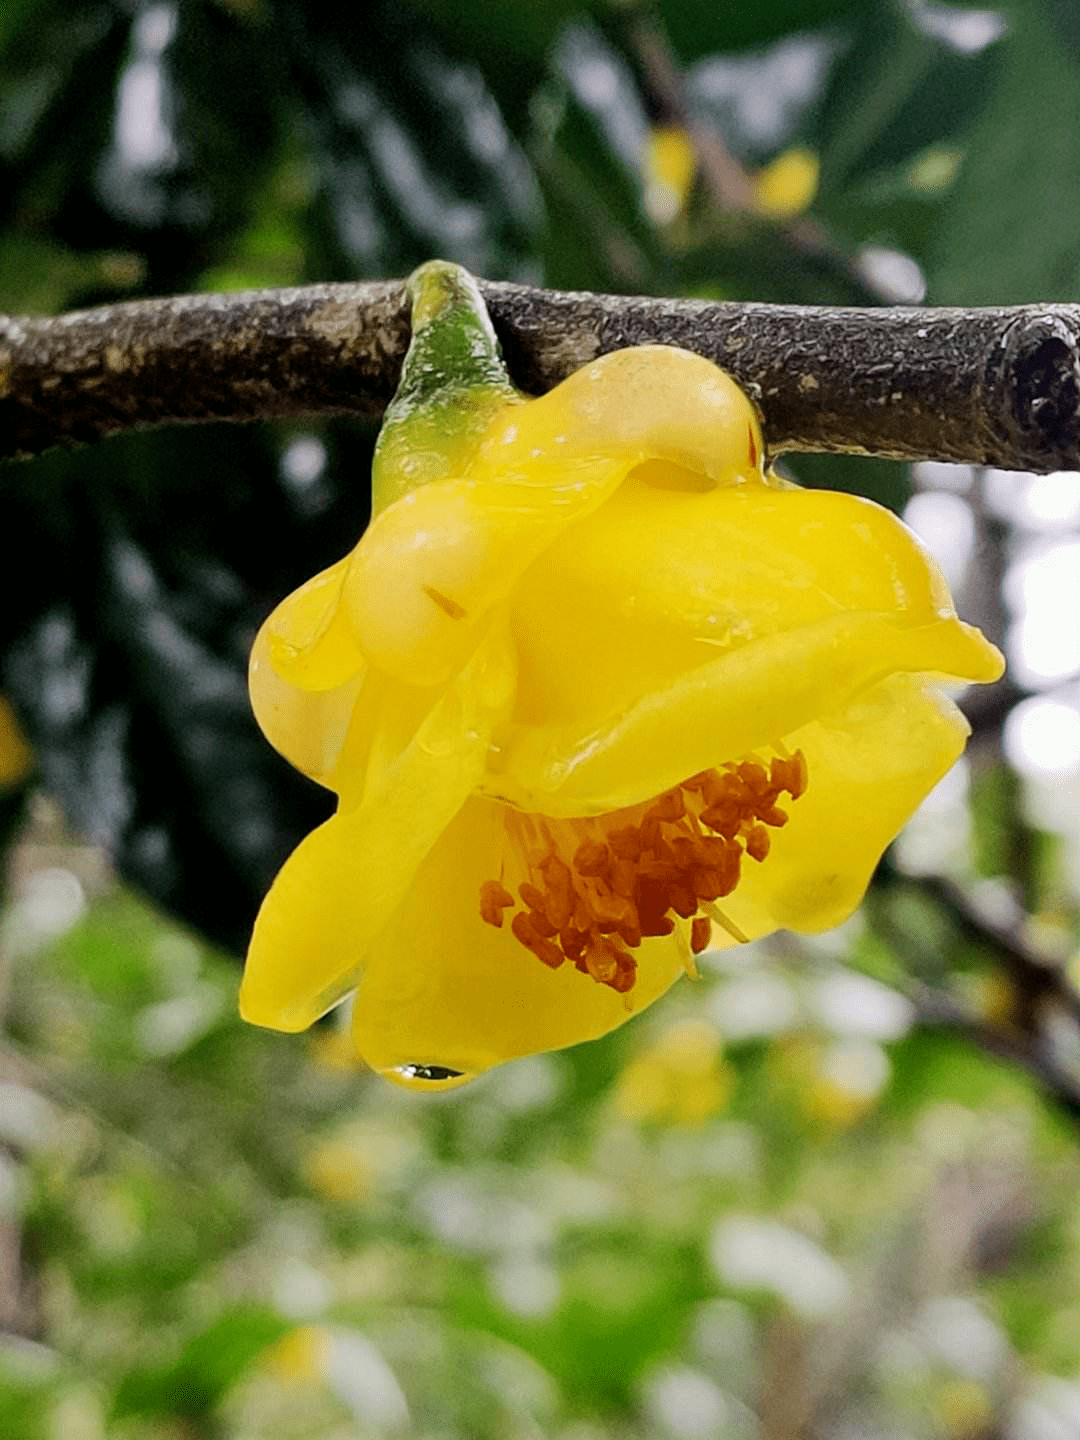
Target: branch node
(1038, 382)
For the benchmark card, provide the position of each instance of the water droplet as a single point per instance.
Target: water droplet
(430, 1072)
(419, 1076)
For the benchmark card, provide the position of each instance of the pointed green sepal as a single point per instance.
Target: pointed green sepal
(452, 382)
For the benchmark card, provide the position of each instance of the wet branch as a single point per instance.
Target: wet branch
(997, 386)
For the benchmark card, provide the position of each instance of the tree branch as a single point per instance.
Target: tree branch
(1038, 973)
(1041, 1033)
(996, 386)
(940, 1011)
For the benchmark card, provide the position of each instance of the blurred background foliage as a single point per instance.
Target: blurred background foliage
(830, 1190)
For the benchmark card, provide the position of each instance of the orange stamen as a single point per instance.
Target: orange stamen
(494, 898)
(596, 887)
(700, 931)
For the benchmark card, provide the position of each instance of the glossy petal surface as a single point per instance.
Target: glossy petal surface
(674, 627)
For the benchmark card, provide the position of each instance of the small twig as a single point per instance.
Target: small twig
(999, 386)
(728, 184)
(1018, 1048)
(1039, 974)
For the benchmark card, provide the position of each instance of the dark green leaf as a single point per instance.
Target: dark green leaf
(1008, 233)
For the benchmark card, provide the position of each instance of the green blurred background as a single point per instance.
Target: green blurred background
(830, 1190)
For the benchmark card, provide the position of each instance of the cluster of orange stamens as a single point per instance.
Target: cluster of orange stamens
(596, 887)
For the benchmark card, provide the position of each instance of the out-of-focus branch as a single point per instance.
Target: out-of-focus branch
(1043, 990)
(999, 386)
(729, 185)
(1038, 973)
(1061, 1087)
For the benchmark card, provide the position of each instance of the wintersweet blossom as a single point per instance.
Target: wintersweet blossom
(595, 691)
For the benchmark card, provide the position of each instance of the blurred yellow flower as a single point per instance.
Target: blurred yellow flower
(589, 672)
(339, 1170)
(965, 1408)
(682, 1079)
(16, 757)
(332, 1049)
(348, 1165)
(298, 1357)
(849, 1077)
(670, 164)
(788, 184)
(831, 1082)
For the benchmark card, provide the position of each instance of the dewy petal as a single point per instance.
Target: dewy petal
(748, 698)
(674, 630)
(870, 764)
(341, 885)
(442, 988)
(305, 674)
(432, 567)
(308, 727)
(656, 583)
(433, 564)
(647, 402)
(307, 640)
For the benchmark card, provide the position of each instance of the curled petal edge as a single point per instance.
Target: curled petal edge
(750, 697)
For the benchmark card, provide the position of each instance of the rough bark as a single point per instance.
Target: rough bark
(995, 386)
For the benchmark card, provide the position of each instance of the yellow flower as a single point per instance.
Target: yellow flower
(16, 759)
(669, 165)
(682, 1079)
(787, 185)
(298, 1357)
(589, 673)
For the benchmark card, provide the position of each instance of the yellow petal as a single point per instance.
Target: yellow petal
(423, 582)
(669, 164)
(788, 184)
(435, 563)
(869, 765)
(341, 885)
(748, 698)
(442, 988)
(657, 582)
(384, 722)
(305, 674)
(650, 402)
(308, 727)
(305, 637)
(671, 631)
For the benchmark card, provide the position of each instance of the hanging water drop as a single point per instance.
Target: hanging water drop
(419, 1076)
